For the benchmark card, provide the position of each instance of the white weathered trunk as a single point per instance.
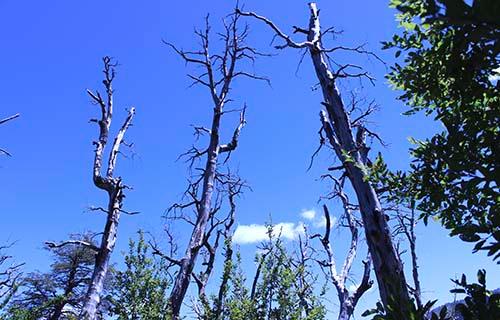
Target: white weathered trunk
(388, 268)
(113, 187)
(93, 296)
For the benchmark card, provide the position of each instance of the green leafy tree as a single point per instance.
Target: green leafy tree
(277, 290)
(139, 292)
(276, 293)
(56, 294)
(451, 65)
(480, 303)
(238, 303)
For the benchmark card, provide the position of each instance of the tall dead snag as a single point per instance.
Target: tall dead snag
(108, 182)
(2, 121)
(104, 179)
(347, 299)
(218, 73)
(353, 154)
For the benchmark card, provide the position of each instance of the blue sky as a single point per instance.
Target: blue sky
(51, 53)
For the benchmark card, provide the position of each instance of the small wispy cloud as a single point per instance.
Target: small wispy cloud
(255, 233)
(308, 214)
(317, 221)
(353, 287)
(321, 222)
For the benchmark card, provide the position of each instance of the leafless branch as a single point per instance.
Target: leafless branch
(288, 41)
(53, 245)
(2, 121)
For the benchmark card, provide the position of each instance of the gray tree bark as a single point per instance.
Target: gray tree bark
(347, 299)
(112, 185)
(337, 126)
(219, 70)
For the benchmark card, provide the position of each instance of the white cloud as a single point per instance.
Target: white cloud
(495, 76)
(255, 233)
(308, 214)
(317, 221)
(321, 222)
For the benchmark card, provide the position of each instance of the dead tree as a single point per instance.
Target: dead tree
(104, 179)
(304, 274)
(2, 121)
(9, 276)
(406, 221)
(338, 278)
(107, 182)
(217, 75)
(352, 153)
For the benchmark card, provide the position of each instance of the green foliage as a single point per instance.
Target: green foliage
(239, 305)
(140, 291)
(62, 288)
(451, 51)
(480, 303)
(393, 312)
(16, 313)
(278, 291)
(277, 295)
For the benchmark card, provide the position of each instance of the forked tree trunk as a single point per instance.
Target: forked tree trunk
(109, 183)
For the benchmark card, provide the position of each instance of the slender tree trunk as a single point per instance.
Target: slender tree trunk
(345, 312)
(188, 262)
(93, 296)
(68, 290)
(218, 73)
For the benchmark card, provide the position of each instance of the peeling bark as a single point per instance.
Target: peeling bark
(337, 126)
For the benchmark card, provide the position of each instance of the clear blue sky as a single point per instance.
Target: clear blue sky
(51, 53)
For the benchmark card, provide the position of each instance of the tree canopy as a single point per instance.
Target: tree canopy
(451, 63)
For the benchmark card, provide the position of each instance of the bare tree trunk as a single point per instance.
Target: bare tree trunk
(182, 280)
(388, 268)
(109, 183)
(219, 70)
(406, 225)
(101, 267)
(347, 299)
